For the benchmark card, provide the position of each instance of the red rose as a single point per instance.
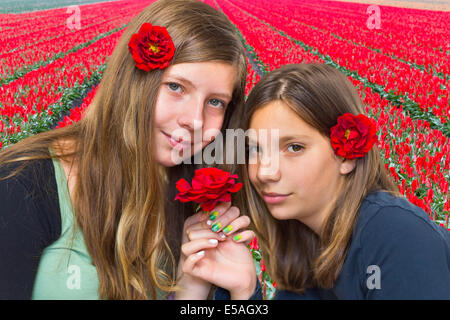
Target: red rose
(151, 47)
(353, 136)
(209, 186)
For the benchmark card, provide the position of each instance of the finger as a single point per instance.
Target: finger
(205, 234)
(196, 218)
(237, 224)
(207, 218)
(224, 220)
(189, 264)
(218, 211)
(197, 245)
(244, 237)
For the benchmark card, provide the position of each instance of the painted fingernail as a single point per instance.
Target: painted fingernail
(213, 241)
(213, 215)
(228, 228)
(237, 237)
(222, 235)
(216, 226)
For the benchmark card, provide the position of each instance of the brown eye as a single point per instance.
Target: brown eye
(295, 147)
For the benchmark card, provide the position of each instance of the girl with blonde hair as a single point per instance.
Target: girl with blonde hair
(88, 210)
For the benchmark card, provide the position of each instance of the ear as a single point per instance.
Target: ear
(347, 165)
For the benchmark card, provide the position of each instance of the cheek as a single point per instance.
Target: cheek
(212, 123)
(251, 169)
(211, 129)
(318, 177)
(301, 173)
(164, 111)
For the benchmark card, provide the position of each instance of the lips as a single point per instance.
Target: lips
(272, 194)
(174, 141)
(274, 198)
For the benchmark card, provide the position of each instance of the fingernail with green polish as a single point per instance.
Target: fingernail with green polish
(213, 215)
(228, 228)
(216, 226)
(237, 237)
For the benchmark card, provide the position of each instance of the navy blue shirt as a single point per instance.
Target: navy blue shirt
(396, 252)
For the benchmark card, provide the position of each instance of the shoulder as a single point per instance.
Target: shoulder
(395, 231)
(31, 195)
(33, 176)
(392, 217)
(399, 242)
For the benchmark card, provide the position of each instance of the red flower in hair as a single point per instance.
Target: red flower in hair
(209, 186)
(151, 47)
(353, 136)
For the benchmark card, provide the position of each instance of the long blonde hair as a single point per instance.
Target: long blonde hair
(296, 257)
(122, 203)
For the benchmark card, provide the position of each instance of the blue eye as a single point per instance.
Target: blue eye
(298, 147)
(252, 149)
(173, 86)
(217, 102)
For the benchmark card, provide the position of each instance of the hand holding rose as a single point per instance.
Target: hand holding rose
(208, 255)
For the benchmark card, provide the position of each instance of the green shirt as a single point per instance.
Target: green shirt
(65, 269)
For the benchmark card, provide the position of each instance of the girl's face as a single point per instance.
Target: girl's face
(308, 174)
(190, 108)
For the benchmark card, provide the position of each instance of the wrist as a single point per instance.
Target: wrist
(244, 293)
(192, 288)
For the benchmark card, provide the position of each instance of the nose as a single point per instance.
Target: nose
(191, 117)
(267, 168)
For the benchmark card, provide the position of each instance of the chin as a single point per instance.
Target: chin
(280, 213)
(165, 161)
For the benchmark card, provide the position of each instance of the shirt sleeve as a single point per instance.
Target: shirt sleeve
(405, 256)
(25, 231)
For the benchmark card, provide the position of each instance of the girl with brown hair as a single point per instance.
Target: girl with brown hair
(88, 210)
(329, 220)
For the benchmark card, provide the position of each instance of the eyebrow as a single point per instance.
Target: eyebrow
(180, 78)
(285, 138)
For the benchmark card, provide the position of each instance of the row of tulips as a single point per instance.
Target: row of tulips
(401, 34)
(24, 101)
(424, 93)
(20, 72)
(45, 46)
(19, 32)
(26, 109)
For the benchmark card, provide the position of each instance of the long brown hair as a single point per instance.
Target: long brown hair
(123, 200)
(295, 256)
